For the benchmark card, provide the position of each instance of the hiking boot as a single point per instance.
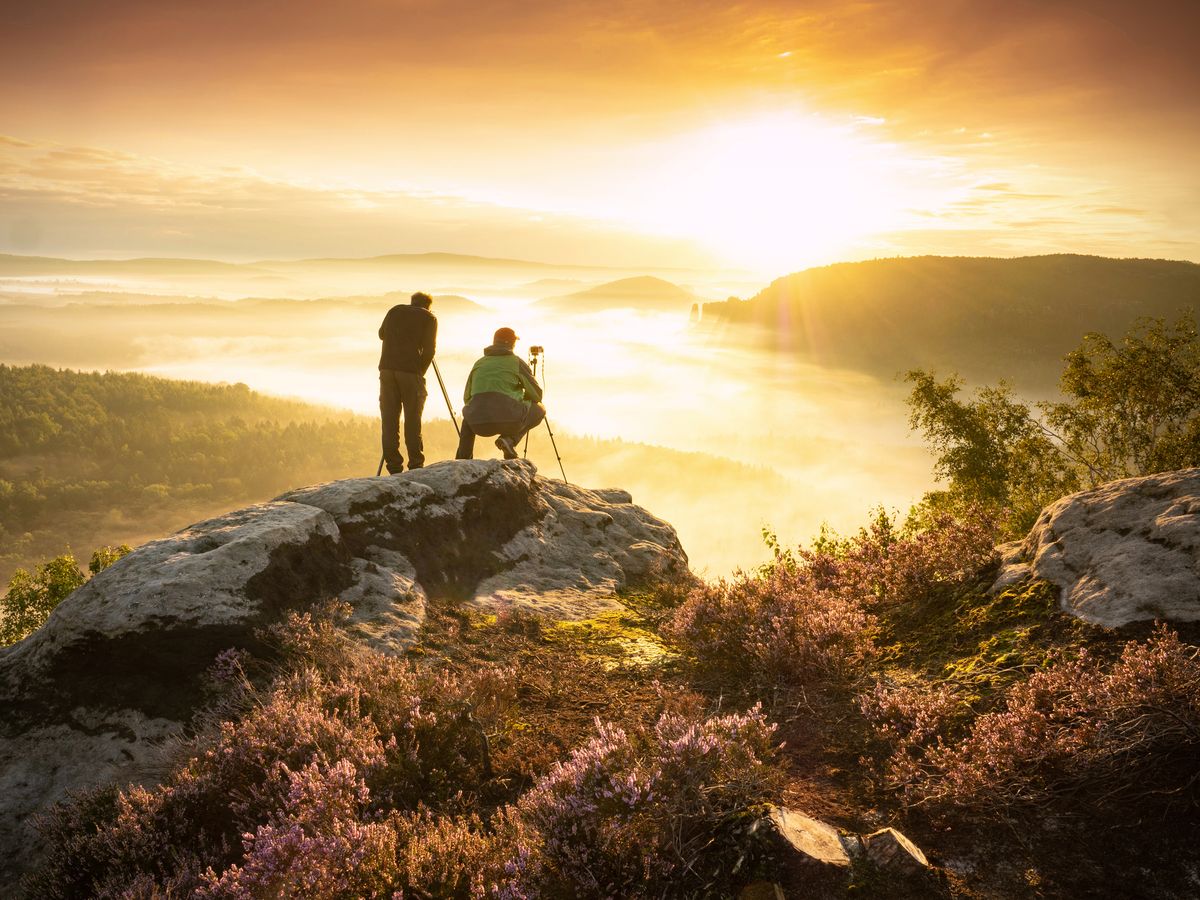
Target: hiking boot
(506, 447)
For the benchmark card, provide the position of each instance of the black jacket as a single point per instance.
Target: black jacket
(409, 335)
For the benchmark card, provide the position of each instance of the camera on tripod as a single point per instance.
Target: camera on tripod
(536, 350)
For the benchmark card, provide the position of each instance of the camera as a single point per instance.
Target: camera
(536, 349)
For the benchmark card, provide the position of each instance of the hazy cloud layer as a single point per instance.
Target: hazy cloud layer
(80, 200)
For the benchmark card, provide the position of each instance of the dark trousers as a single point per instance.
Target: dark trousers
(401, 393)
(514, 430)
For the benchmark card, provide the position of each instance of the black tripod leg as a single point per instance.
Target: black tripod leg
(554, 444)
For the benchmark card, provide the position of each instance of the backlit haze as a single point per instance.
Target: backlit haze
(715, 146)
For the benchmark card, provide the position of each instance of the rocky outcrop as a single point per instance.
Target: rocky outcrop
(119, 665)
(1122, 552)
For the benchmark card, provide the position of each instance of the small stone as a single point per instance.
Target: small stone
(892, 851)
(809, 840)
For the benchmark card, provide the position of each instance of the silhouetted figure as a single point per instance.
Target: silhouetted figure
(409, 335)
(502, 397)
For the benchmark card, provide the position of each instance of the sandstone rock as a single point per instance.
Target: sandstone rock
(893, 852)
(118, 667)
(1013, 566)
(808, 841)
(1125, 551)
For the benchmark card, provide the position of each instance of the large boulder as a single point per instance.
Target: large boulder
(1122, 552)
(119, 666)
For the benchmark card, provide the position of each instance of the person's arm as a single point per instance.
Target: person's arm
(533, 390)
(467, 386)
(383, 326)
(429, 345)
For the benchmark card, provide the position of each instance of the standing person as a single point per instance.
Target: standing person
(409, 335)
(502, 397)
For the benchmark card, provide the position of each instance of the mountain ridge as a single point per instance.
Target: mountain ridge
(987, 317)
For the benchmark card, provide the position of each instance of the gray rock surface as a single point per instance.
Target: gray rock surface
(1125, 551)
(119, 665)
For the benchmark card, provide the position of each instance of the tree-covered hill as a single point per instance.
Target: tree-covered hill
(89, 458)
(985, 318)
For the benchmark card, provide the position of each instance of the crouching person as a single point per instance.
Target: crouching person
(502, 398)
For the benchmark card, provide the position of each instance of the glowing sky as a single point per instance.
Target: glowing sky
(767, 135)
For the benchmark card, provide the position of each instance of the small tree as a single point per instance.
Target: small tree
(1131, 408)
(32, 597)
(992, 450)
(106, 556)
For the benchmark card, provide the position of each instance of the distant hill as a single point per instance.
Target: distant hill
(645, 293)
(18, 266)
(985, 318)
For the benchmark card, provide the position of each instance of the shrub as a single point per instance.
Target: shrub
(1123, 733)
(646, 814)
(32, 597)
(808, 615)
(1130, 408)
(775, 628)
(352, 774)
(309, 771)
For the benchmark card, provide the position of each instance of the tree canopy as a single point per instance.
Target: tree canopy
(1130, 407)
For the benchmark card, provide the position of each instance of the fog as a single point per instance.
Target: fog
(775, 442)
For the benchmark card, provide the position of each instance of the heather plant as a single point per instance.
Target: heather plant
(1109, 734)
(306, 770)
(351, 774)
(775, 628)
(907, 720)
(811, 613)
(646, 814)
(910, 715)
(885, 563)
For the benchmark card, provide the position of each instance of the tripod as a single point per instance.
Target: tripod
(446, 395)
(538, 354)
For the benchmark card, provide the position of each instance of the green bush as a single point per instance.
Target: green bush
(1129, 408)
(31, 597)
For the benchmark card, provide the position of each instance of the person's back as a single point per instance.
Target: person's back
(409, 335)
(502, 397)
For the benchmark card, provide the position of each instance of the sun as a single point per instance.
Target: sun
(783, 189)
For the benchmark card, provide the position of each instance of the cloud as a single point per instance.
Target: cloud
(81, 197)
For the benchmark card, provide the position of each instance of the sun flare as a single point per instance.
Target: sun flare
(781, 190)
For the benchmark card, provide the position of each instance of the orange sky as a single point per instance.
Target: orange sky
(764, 135)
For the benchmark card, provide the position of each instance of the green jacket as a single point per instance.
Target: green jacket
(500, 371)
